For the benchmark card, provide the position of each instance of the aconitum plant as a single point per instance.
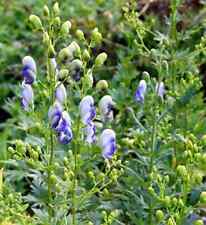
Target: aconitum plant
(69, 126)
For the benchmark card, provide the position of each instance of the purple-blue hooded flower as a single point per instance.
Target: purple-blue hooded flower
(64, 122)
(90, 131)
(55, 113)
(160, 89)
(61, 94)
(108, 143)
(106, 105)
(140, 92)
(29, 70)
(27, 96)
(87, 109)
(65, 136)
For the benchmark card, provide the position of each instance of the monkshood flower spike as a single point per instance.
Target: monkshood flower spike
(87, 109)
(140, 92)
(160, 89)
(29, 70)
(106, 106)
(108, 143)
(27, 96)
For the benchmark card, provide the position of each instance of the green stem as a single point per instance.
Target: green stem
(76, 149)
(51, 90)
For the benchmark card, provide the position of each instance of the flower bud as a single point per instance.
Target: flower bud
(65, 28)
(96, 37)
(80, 35)
(146, 76)
(100, 59)
(36, 22)
(141, 91)
(46, 11)
(57, 21)
(102, 85)
(46, 39)
(182, 171)
(167, 201)
(171, 222)
(88, 80)
(86, 55)
(199, 222)
(56, 9)
(159, 215)
(65, 54)
(61, 94)
(51, 51)
(203, 197)
(74, 48)
(63, 73)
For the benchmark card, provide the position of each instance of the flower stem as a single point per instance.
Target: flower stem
(51, 156)
(76, 149)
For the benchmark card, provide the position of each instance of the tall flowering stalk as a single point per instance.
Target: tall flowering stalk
(69, 64)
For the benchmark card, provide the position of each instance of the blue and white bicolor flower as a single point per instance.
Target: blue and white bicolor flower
(87, 109)
(160, 89)
(27, 96)
(65, 136)
(29, 70)
(55, 113)
(141, 91)
(90, 133)
(108, 143)
(106, 106)
(60, 93)
(64, 122)
(61, 123)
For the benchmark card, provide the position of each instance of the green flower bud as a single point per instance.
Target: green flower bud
(159, 215)
(182, 171)
(66, 26)
(86, 55)
(96, 38)
(88, 80)
(46, 11)
(171, 222)
(100, 59)
(174, 201)
(151, 190)
(57, 21)
(53, 179)
(102, 85)
(90, 223)
(46, 39)
(11, 150)
(167, 201)
(35, 22)
(203, 197)
(91, 175)
(63, 73)
(65, 54)
(80, 35)
(146, 76)
(74, 48)
(199, 222)
(56, 9)
(51, 51)
(76, 64)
